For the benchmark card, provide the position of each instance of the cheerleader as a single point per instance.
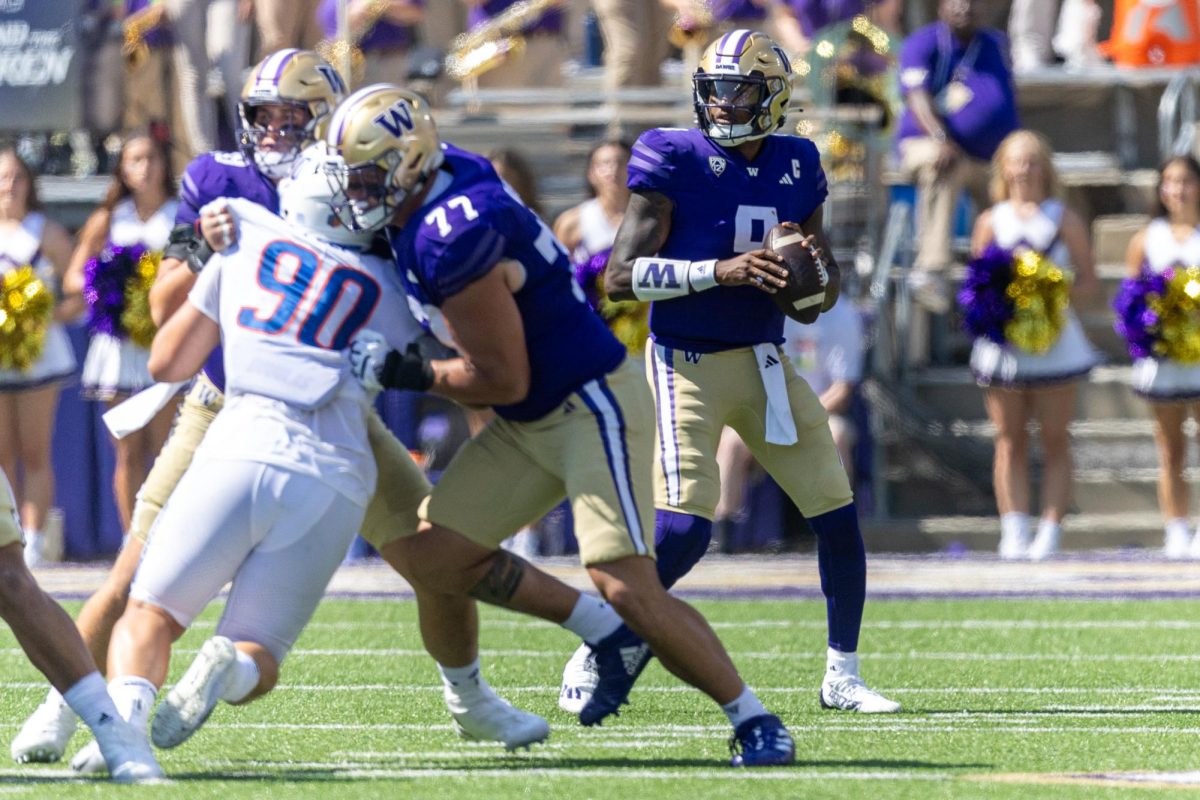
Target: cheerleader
(29, 397)
(1172, 239)
(139, 209)
(591, 226)
(1021, 386)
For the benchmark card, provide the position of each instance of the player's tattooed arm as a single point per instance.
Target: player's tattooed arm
(500, 583)
(644, 229)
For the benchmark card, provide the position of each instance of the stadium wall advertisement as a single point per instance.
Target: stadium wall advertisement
(40, 65)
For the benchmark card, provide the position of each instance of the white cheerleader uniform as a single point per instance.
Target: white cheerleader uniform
(114, 365)
(1072, 355)
(596, 232)
(57, 362)
(1160, 378)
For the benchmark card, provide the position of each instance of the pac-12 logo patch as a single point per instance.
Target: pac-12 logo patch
(716, 164)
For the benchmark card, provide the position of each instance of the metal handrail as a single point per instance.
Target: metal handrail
(1177, 115)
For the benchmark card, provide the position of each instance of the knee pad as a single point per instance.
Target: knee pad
(680, 540)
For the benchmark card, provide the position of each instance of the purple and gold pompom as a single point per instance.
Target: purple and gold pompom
(1018, 299)
(1158, 314)
(116, 286)
(26, 311)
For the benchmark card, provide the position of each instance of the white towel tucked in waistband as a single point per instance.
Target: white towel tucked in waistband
(136, 412)
(781, 428)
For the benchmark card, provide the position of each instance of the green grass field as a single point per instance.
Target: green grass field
(1002, 699)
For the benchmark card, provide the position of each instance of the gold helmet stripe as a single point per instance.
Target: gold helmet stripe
(271, 68)
(731, 46)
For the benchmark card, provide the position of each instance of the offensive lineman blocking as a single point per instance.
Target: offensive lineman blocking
(487, 276)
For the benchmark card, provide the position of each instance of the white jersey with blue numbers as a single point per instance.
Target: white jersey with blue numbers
(288, 306)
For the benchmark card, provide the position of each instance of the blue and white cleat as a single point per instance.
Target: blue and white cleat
(620, 658)
(762, 741)
(579, 680)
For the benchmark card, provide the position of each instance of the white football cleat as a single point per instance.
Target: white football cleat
(44, 737)
(494, 719)
(194, 697)
(849, 693)
(89, 760)
(579, 680)
(126, 752)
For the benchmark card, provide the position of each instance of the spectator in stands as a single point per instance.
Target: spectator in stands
(29, 397)
(292, 23)
(514, 168)
(197, 113)
(1031, 29)
(797, 21)
(959, 104)
(635, 44)
(103, 84)
(695, 23)
(149, 72)
(1020, 386)
(229, 32)
(591, 226)
(383, 31)
(1172, 239)
(139, 209)
(545, 49)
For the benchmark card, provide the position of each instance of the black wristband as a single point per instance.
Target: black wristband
(408, 370)
(198, 254)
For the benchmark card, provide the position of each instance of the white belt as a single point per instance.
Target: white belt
(781, 427)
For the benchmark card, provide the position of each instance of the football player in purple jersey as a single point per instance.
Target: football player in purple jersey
(691, 243)
(573, 418)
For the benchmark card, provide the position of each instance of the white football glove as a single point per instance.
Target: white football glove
(368, 352)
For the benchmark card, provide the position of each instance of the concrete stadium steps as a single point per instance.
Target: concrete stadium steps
(934, 503)
(951, 534)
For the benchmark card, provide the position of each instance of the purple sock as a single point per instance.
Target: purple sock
(842, 561)
(680, 540)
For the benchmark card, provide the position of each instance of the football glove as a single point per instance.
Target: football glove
(377, 367)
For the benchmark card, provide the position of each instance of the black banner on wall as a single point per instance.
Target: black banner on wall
(40, 65)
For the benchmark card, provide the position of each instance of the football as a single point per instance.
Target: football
(811, 286)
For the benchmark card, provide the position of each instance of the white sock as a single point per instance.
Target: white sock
(1178, 527)
(1047, 528)
(241, 679)
(88, 698)
(839, 664)
(1014, 523)
(746, 706)
(463, 686)
(592, 619)
(134, 698)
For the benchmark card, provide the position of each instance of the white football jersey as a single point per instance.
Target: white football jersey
(288, 305)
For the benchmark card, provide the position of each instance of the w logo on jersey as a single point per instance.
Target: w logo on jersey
(397, 120)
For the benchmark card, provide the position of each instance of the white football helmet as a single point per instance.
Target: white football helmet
(745, 78)
(389, 146)
(305, 200)
(297, 78)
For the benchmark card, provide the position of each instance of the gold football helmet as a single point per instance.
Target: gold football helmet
(384, 147)
(301, 80)
(741, 88)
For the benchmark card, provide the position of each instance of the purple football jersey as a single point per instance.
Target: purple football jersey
(208, 177)
(724, 205)
(461, 232)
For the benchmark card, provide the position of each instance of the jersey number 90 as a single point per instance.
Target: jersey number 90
(328, 309)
